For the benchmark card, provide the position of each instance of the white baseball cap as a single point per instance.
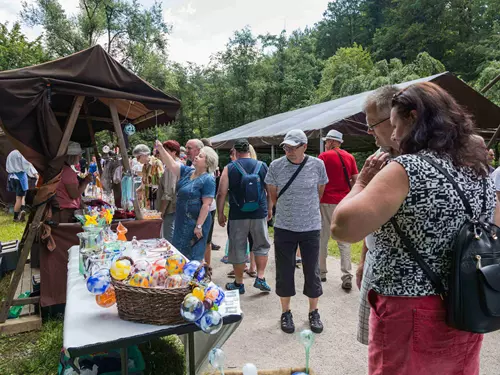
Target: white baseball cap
(334, 135)
(294, 138)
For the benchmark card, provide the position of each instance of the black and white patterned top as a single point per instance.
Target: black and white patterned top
(431, 216)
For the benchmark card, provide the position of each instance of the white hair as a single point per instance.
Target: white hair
(211, 158)
(141, 149)
(381, 98)
(199, 144)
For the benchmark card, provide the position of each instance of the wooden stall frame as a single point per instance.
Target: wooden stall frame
(30, 322)
(31, 231)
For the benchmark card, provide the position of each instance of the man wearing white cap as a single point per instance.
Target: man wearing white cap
(296, 183)
(342, 173)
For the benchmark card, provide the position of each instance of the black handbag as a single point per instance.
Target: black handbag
(473, 298)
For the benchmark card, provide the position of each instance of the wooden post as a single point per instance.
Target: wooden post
(92, 138)
(35, 223)
(272, 153)
(123, 151)
(321, 143)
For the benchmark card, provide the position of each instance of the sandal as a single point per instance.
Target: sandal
(251, 273)
(231, 274)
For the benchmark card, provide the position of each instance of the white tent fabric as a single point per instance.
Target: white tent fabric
(346, 115)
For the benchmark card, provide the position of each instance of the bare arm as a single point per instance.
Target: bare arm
(361, 265)
(365, 209)
(75, 191)
(221, 197)
(321, 191)
(354, 178)
(204, 210)
(168, 160)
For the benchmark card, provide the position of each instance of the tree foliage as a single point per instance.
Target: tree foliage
(358, 45)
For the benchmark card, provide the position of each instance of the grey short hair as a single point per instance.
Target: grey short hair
(141, 150)
(211, 158)
(199, 144)
(381, 98)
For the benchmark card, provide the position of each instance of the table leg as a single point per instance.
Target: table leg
(192, 365)
(124, 356)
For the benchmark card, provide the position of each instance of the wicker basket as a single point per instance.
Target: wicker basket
(150, 305)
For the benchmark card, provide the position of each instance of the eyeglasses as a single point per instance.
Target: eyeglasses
(371, 127)
(289, 148)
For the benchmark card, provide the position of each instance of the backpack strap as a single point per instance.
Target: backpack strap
(285, 188)
(468, 208)
(256, 170)
(435, 280)
(239, 167)
(346, 175)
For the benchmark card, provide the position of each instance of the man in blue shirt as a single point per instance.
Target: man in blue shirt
(243, 179)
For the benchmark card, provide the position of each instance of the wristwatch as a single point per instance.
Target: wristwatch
(198, 226)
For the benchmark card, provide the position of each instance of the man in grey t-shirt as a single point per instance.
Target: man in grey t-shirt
(298, 223)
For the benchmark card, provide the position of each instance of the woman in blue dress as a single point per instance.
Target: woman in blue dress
(195, 193)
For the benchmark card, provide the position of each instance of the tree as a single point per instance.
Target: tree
(131, 34)
(16, 51)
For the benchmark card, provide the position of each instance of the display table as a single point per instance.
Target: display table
(89, 328)
(54, 264)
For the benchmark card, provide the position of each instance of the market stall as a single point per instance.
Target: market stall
(45, 106)
(346, 115)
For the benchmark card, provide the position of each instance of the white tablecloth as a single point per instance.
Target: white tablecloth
(87, 325)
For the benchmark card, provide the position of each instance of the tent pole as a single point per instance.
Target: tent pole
(272, 153)
(32, 229)
(321, 143)
(123, 151)
(493, 138)
(92, 138)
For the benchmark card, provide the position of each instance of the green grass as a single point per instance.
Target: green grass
(9, 230)
(38, 352)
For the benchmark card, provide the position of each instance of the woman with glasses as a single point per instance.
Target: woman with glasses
(408, 333)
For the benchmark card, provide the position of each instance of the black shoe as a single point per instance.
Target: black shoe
(215, 247)
(315, 322)
(347, 284)
(323, 279)
(287, 325)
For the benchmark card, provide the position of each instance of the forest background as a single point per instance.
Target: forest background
(358, 45)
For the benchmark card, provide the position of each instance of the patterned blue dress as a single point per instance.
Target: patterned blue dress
(188, 206)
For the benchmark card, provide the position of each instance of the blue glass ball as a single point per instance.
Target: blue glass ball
(211, 322)
(98, 283)
(190, 268)
(220, 296)
(129, 129)
(192, 308)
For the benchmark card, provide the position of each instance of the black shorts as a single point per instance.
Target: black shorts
(285, 246)
(211, 232)
(14, 186)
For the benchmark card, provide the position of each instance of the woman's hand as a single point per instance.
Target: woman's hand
(198, 233)
(372, 166)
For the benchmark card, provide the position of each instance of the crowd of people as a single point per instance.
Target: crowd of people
(310, 200)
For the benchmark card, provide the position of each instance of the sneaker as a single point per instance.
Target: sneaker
(315, 322)
(323, 279)
(298, 260)
(347, 283)
(262, 285)
(287, 325)
(215, 247)
(224, 259)
(22, 216)
(233, 286)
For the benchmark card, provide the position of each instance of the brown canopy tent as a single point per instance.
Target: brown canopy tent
(346, 115)
(40, 113)
(6, 197)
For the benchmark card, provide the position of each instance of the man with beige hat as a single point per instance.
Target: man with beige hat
(342, 173)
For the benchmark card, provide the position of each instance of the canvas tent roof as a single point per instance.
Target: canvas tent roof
(36, 102)
(345, 114)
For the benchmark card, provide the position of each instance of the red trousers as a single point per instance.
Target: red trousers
(409, 336)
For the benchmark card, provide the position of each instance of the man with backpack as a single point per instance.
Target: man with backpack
(296, 183)
(243, 179)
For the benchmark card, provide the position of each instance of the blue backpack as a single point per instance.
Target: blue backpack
(251, 186)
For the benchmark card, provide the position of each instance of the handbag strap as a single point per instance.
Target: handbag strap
(468, 208)
(435, 280)
(346, 175)
(282, 191)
